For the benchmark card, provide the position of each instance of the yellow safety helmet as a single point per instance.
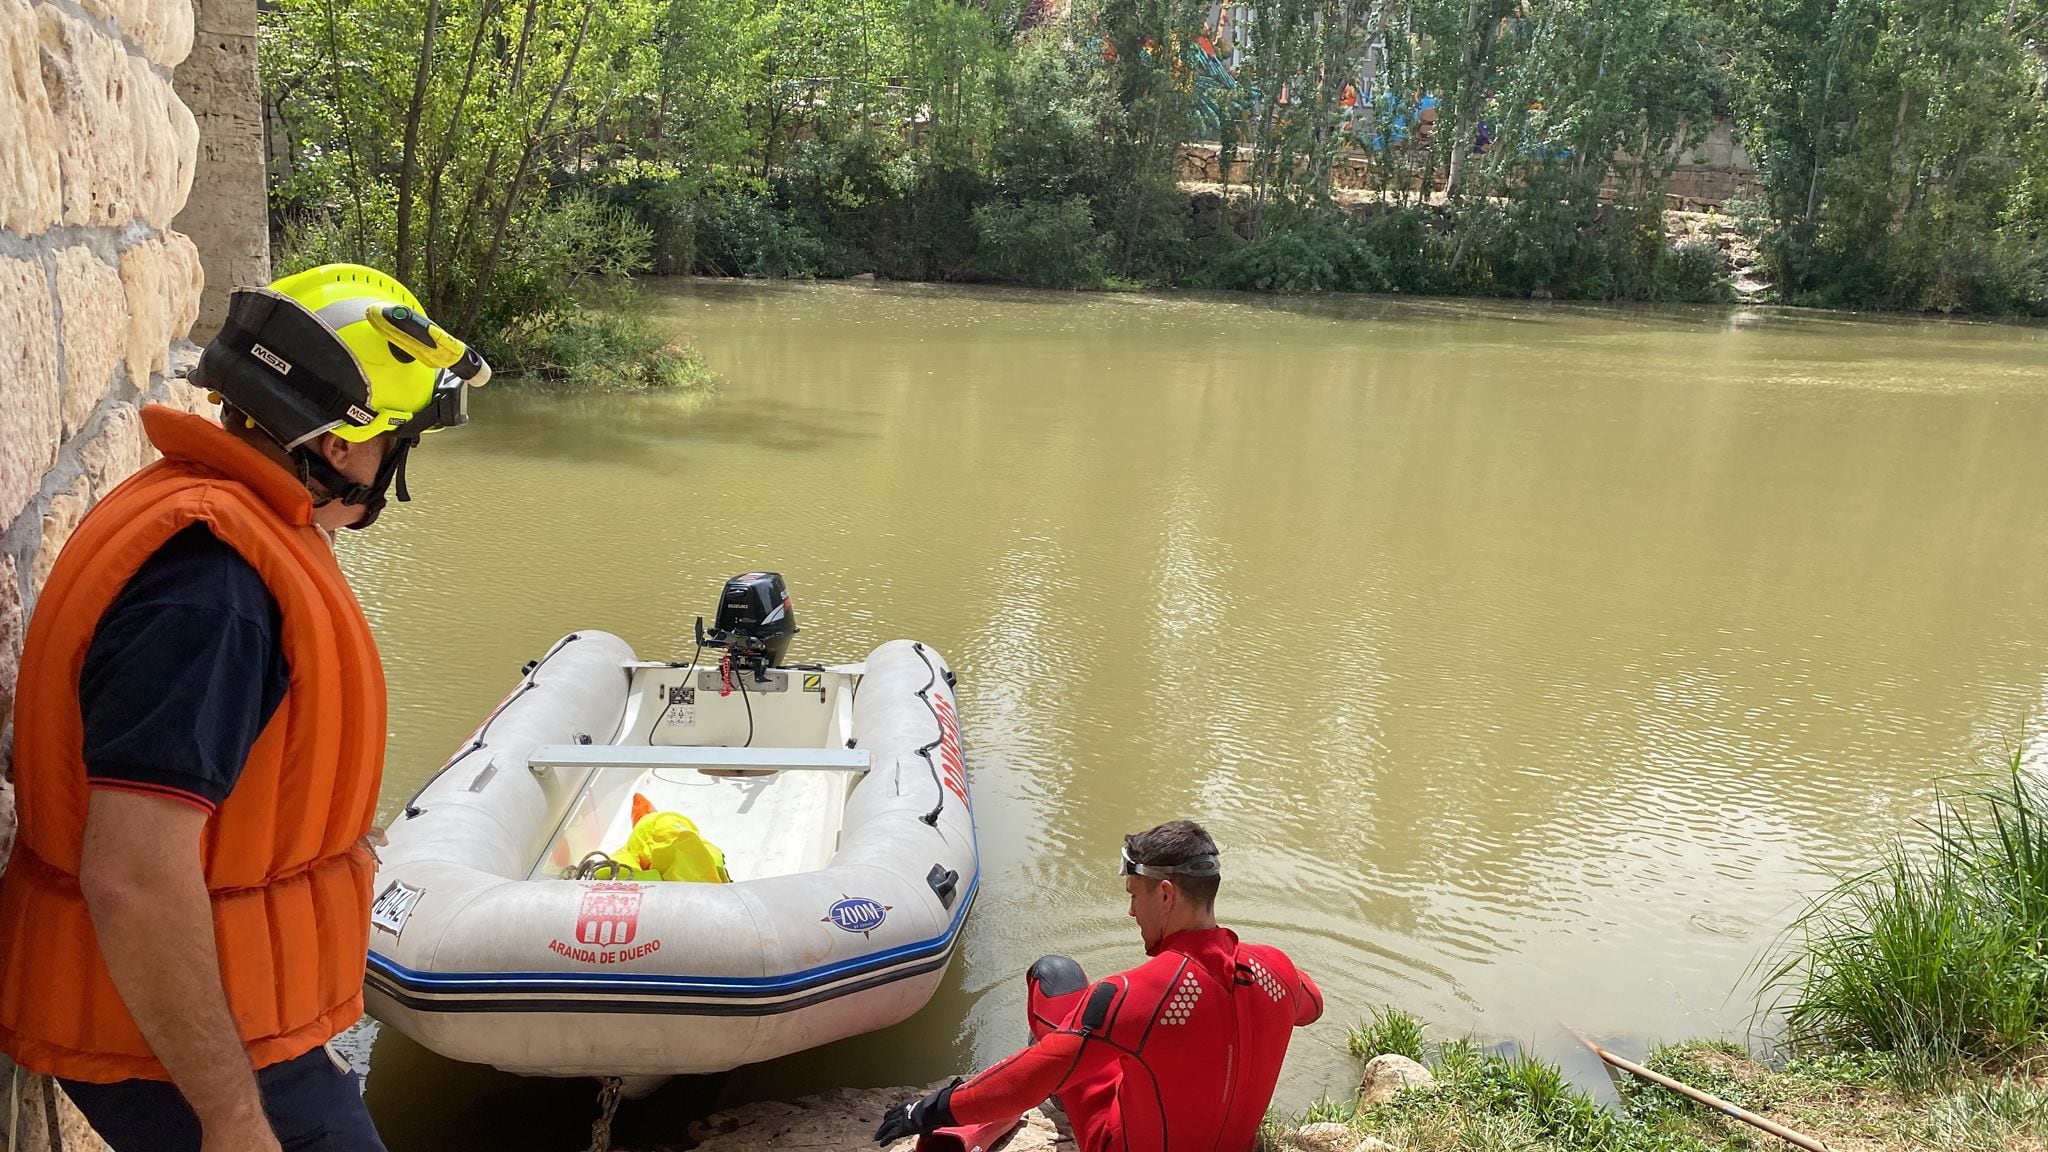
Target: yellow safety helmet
(346, 350)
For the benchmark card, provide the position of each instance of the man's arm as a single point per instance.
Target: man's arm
(143, 887)
(1308, 1000)
(1023, 1081)
(1012, 1087)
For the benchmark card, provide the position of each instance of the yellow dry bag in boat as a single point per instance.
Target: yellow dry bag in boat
(667, 846)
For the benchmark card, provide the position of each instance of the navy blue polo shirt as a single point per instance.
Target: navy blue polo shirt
(185, 669)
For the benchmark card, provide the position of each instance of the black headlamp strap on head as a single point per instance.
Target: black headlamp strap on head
(370, 497)
(1205, 864)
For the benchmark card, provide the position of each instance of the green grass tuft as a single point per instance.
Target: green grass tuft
(1389, 1031)
(2000, 1116)
(1938, 956)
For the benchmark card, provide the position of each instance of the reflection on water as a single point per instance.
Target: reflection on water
(1530, 662)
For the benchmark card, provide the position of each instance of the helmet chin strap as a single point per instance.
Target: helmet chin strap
(370, 497)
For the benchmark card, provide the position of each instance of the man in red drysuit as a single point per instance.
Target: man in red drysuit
(1176, 1055)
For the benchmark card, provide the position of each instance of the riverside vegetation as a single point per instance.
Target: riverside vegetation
(511, 157)
(1914, 996)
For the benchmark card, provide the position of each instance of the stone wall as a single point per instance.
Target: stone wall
(1708, 175)
(97, 292)
(226, 216)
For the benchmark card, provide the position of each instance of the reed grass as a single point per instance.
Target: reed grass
(1389, 1031)
(1938, 954)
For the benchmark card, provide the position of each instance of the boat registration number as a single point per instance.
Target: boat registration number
(394, 905)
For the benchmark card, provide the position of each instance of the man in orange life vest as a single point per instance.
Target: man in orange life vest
(199, 737)
(1180, 1053)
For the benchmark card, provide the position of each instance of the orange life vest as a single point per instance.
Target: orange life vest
(289, 879)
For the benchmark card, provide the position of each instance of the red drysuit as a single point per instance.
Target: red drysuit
(1176, 1055)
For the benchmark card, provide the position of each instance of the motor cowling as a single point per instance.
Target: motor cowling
(755, 619)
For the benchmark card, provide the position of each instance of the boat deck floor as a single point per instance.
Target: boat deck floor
(771, 824)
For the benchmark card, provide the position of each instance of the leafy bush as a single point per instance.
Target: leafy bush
(1305, 253)
(611, 346)
(1046, 245)
(564, 246)
(741, 232)
(1694, 272)
(532, 321)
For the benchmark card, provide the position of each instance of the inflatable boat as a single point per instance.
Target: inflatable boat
(646, 868)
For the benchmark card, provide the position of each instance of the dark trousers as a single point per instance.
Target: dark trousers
(315, 1104)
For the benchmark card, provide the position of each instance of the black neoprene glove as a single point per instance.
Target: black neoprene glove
(918, 1117)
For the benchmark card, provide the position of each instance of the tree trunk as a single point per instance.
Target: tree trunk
(412, 139)
(447, 150)
(348, 137)
(539, 133)
(1471, 84)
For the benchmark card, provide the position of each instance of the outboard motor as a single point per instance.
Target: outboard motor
(755, 622)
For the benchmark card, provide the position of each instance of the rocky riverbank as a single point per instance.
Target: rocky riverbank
(1464, 1098)
(844, 1119)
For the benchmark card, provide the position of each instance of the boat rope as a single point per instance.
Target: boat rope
(924, 694)
(608, 1089)
(598, 866)
(477, 740)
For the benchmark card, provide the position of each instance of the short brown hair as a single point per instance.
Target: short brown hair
(1177, 842)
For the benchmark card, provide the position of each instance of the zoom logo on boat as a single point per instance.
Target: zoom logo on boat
(857, 914)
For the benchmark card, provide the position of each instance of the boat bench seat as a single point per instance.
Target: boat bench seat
(643, 757)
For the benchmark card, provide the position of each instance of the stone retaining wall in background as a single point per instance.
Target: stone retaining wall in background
(97, 293)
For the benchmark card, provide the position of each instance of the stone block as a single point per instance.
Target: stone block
(60, 520)
(44, 1118)
(184, 282)
(30, 410)
(161, 279)
(167, 37)
(1388, 1075)
(13, 626)
(115, 12)
(6, 812)
(113, 453)
(30, 193)
(224, 214)
(165, 143)
(161, 29)
(144, 282)
(88, 79)
(191, 398)
(93, 316)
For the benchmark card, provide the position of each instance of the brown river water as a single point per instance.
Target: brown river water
(1530, 662)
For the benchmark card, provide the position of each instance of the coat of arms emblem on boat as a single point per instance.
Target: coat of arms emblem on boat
(857, 914)
(610, 914)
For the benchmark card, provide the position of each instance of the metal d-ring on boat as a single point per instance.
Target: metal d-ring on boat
(837, 794)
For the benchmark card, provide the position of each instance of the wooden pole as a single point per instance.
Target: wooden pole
(1706, 1098)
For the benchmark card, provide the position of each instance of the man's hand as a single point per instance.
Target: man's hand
(918, 1117)
(143, 885)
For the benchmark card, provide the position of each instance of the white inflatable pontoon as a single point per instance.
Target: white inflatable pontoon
(838, 795)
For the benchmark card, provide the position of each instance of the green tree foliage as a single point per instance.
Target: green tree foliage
(1903, 147)
(507, 154)
(425, 140)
